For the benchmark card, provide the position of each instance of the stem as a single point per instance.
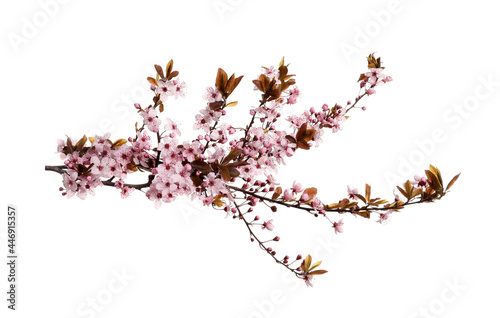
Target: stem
(261, 244)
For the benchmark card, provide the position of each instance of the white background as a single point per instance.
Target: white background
(82, 68)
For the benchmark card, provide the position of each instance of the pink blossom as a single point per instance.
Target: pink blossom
(268, 225)
(297, 187)
(288, 195)
(165, 89)
(383, 217)
(212, 95)
(308, 280)
(338, 226)
(172, 126)
(352, 192)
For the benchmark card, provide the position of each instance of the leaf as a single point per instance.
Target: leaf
(233, 85)
(368, 191)
(221, 80)
(455, 178)
(409, 188)
(224, 172)
(277, 192)
(291, 139)
(152, 81)
(118, 143)
(258, 84)
(315, 265)
(169, 67)
(91, 139)
(233, 172)
(233, 154)
(238, 164)
(318, 272)
(435, 184)
(311, 192)
(403, 192)
(282, 62)
(217, 201)
(216, 105)
(364, 214)
(303, 145)
(159, 70)
(172, 75)
(81, 143)
(307, 263)
(201, 166)
(359, 196)
(232, 104)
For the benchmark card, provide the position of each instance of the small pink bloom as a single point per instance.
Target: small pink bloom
(297, 187)
(268, 225)
(352, 192)
(338, 226)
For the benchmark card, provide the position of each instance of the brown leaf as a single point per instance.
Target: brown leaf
(455, 178)
(233, 154)
(318, 272)
(216, 105)
(307, 263)
(224, 172)
(277, 193)
(221, 81)
(81, 143)
(201, 166)
(169, 67)
(368, 191)
(152, 81)
(172, 75)
(118, 143)
(159, 70)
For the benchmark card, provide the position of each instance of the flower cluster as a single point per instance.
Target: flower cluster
(232, 168)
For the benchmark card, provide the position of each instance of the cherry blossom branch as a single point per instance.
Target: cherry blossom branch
(219, 168)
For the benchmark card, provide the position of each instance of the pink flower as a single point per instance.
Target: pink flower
(352, 192)
(374, 74)
(338, 226)
(420, 181)
(288, 195)
(212, 95)
(165, 89)
(172, 126)
(308, 280)
(151, 120)
(370, 91)
(383, 217)
(297, 187)
(268, 225)
(126, 191)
